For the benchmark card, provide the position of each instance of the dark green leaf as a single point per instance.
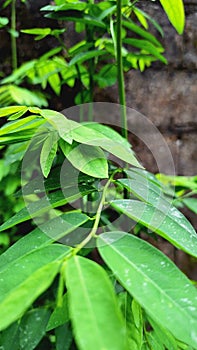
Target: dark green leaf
(141, 32)
(33, 327)
(146, 46)
(85, 56)
(64, 337)
(149, 276)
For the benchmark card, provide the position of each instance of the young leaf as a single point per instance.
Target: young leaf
(171, 225)
(24, 280)
(175, 13)
(60, 315)
(48, 153)
(12, 110)
(149, 276)
(90, 160)
(93, 307)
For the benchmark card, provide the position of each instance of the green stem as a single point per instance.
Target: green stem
(97, 218)
(13, 37)
(121, 83)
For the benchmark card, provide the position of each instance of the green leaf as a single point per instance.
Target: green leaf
(175, 13)
(94, 312)
(108, 132)
(48, 153)
(79, 6)
(145, 45)
(59, 122)
(90, 160)
(9, 338)
(33, 327)
(141, 32)
(64, 337)
(60, 315)
(191, 203)
(82, 134)
(43, 236)
(171, 225)
(45, 204)
(41, 32)
(12, 110)
(24, 280)
(149, 276)
(3, 21)
(85, 56)
(20, 125)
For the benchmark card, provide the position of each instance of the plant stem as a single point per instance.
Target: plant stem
(121, 83)
(13, 35)
(97, 218)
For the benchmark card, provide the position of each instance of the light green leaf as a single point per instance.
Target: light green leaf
(93, 307)
(171, 225)
(175, 13)
(48, 153)
(145, 45)
(12, 110)
(3, 21)
(59, 122)
(141, 32)
(108, 132)
(149, 276)
(90, 160)
(60, 315)
(33, 327)
(82, 134)
(24, 280)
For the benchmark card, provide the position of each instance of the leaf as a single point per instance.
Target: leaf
(24, 280)
(3, 21)
(33, 327)
(191, 203)
(48, 153)
(141, 32)
(82, 134)
(41, 32)
(145, 45)
(43, 236)
(64, 337)
(175, 13)
(59, 122)
(149, 276)
(20, 125)
(9, 338)
(90, 160)
(60, 315)
(45, 204)
(171, 225)
(8, 111)
(85, 56)
(108, 132)
(80, 6)
(93, 307)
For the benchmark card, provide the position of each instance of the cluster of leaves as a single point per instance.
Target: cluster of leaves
(93, 59)
(137, 298)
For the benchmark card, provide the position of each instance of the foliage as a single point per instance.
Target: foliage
(112, 310)
(54, 293)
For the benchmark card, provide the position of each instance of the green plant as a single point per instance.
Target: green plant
(97, 24)
(132, 296)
